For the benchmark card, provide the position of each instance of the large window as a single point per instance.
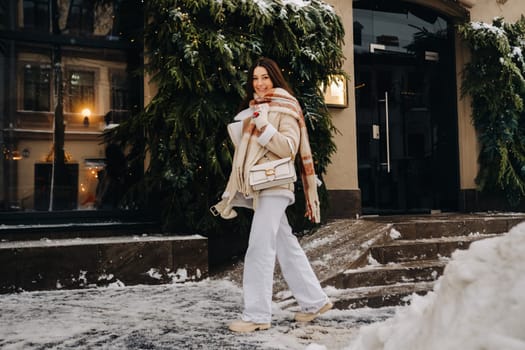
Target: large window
(36, 14)
(80, 17)
(65, 81)
(37, 80)
(120, 103)
(80, 90)
(120, 99)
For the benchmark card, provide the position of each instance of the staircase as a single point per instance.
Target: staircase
(380, 261)
(415, 257)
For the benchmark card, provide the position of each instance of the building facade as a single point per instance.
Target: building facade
(82, 54)
(406, 142)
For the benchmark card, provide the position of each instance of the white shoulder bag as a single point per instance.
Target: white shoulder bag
(273, 173)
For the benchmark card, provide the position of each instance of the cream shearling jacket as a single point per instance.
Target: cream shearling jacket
(280, 139)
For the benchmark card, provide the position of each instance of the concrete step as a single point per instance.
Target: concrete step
(373, 297)
(374, 275)
(421, 249)
(379, 296)
(413, 263)
(87, 262)
(445, 225)
(75, 230)
(17, 226)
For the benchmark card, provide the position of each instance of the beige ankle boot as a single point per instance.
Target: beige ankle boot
(310, 316)
(245, 326)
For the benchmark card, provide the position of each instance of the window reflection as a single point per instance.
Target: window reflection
(395, 30)
(36, 14)
(80, 48)
(37, 86)
(81, 91)
(80, 17)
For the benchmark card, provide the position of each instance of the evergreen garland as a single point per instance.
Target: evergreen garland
(495, 80)
(199, 52)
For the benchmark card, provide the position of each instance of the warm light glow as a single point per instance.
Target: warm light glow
(335, 94)
(93, 172)
(16, 155)
(86, 112)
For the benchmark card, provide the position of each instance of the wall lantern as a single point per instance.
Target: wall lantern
(335, 94)
(15, 155)
(86, 113)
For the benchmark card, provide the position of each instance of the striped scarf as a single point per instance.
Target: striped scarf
(280, 100)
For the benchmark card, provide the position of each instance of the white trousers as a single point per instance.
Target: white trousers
(271, 236)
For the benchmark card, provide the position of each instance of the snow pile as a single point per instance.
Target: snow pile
(478, 303)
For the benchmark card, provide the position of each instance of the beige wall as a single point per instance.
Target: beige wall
(486, 10)
(150, 89)
(467, 138)
(342, 172)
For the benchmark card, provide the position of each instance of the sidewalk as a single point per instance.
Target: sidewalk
(177, 316)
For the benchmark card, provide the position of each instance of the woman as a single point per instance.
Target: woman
(272, 128)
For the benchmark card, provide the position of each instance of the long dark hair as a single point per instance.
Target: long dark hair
(275, 74)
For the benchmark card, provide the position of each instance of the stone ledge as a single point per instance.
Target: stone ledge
(379, 296)
(89, 262)
(375, 275)
(422, 249)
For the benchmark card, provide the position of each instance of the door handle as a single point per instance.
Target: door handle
(387, 132)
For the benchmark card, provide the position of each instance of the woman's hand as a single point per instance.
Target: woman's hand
(260, 116)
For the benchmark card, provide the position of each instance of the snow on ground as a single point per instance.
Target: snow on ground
(478, 303)
(177, 316)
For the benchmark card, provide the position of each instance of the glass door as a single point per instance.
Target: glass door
(405, 104)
